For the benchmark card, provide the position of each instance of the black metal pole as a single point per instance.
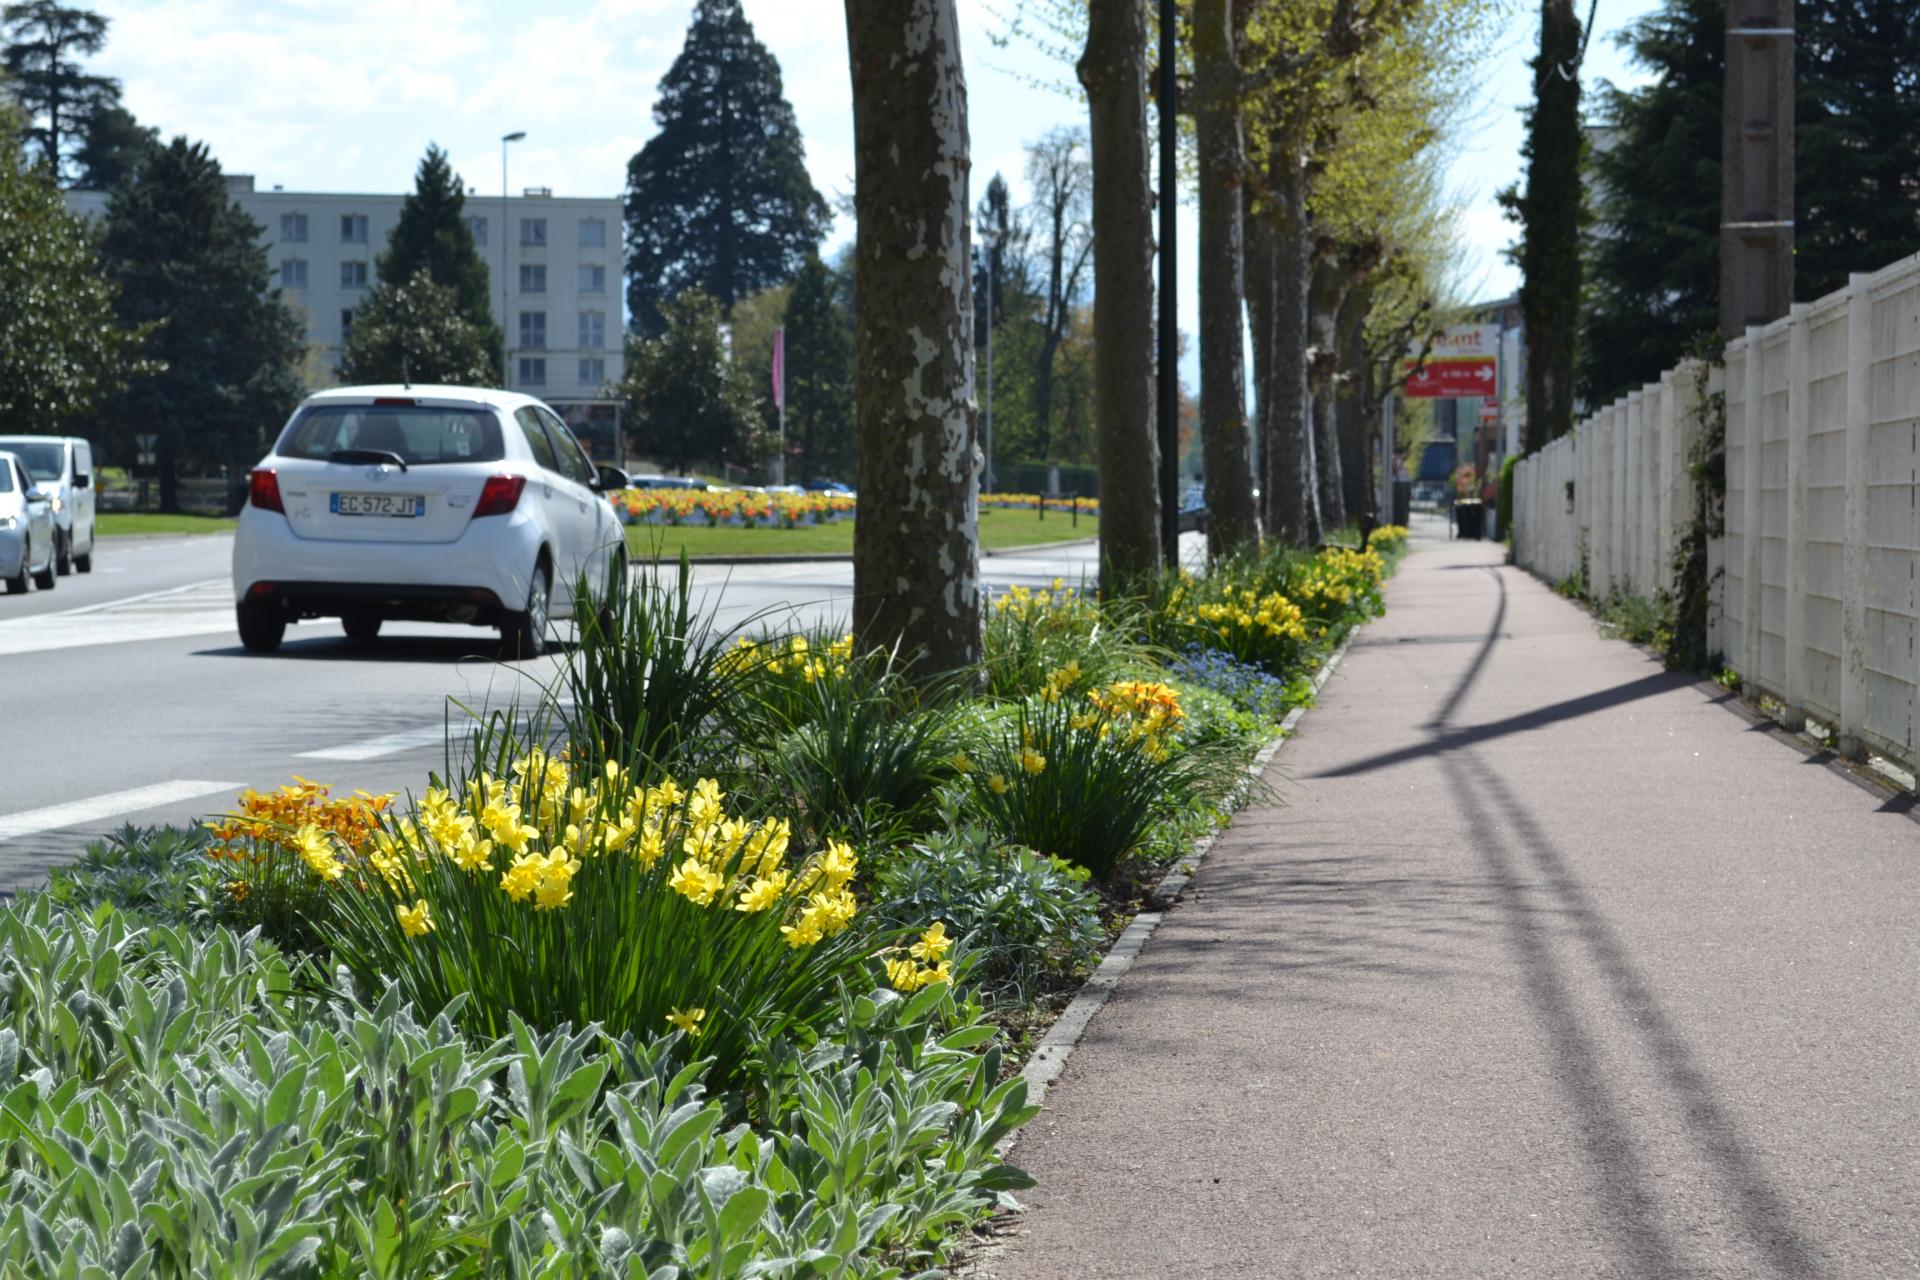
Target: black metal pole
(1168, 415)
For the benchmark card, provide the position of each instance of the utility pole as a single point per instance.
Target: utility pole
(1756, 165)
(1168, 415)
(506, 334)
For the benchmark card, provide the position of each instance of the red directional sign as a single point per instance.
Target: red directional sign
(1464, 361)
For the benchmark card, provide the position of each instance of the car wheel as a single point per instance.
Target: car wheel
(524, 634)
(45, 579)
(62, 554)
(262, 626)
(361, 627)
(84, 563)
(17, 584)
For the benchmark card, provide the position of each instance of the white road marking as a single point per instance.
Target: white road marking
(387, 744)
(197, 608)
(76, 812)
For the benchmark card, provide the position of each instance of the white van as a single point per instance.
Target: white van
(63, 467)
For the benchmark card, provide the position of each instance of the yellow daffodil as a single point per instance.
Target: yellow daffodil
(688, 1020)
(415, 921)
(1032, 761)
(996, 784)
(696, 882)
(933, 943)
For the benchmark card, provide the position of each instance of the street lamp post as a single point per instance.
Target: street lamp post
(506, 347)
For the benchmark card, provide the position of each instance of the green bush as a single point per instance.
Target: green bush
(1504, 496)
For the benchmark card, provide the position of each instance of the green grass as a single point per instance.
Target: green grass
(999, 531)
(129, 524)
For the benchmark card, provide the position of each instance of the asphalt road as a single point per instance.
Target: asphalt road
(129, 699)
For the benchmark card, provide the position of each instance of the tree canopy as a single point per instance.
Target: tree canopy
(719, 198)
(417, 332)
(62, 347)
(183, 253)
(432, 238)
(683, 401)
(44, 42)
(819, 364)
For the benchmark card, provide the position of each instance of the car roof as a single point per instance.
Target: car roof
(425, 393)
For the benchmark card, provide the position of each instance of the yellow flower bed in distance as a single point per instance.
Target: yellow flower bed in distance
(723, 506)
(568, 896)
(1032, 501)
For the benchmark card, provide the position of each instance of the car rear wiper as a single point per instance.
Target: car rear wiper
(386, 457)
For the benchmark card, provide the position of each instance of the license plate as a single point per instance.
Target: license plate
(403, 505)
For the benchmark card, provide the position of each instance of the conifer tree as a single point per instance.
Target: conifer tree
(44, 41)
(432, 236)
(113, 145)
(720, 197)
(181, 251)
(819, 365)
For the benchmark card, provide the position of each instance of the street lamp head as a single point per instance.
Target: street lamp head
(513, 137)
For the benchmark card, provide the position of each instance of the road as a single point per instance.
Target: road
(130, 699)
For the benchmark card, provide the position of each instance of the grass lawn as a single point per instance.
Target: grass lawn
(124, 524)
(999, 531)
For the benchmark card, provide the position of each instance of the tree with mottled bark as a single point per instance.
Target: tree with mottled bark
(1226, 441)
(916, 553)
(1113, 69)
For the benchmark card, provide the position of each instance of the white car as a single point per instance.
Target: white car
(438, 504)
(26, 528)
(63, 468)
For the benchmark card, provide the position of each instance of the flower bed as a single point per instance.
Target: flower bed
(707, 965)
(743, 507)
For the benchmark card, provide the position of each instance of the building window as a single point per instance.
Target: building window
(533, 371)
(593, 372)
(533, 278)
(293, 273)
(353, 275)
(353, 228)
(293, 228)
(593, 233)
(479, 228)
(533, 233)
(533, 330)
(346, 325)
(593, 330)
(593, 278)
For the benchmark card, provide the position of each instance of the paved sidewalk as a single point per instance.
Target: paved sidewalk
(1549, 965)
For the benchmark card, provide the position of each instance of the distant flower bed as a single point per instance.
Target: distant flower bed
(1032, 501)
(740, 507)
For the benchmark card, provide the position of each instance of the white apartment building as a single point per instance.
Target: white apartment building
(559, 256)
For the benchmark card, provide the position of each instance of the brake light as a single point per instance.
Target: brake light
(263, 490)
(501, 495)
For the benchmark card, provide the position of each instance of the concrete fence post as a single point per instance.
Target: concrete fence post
(1853, 562)
(1663, 543)
(1750, 432)
(1630, 517)
(1799, 428)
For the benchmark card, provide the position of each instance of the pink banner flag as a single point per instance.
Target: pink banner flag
(780, 367)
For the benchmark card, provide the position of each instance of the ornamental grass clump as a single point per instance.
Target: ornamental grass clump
(568, 894)
(1086, 777)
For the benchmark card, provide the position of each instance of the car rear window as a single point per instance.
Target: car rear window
(420, 434)
(44, 458)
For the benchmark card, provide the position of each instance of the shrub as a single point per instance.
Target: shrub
(1018, 913)
(160, 874)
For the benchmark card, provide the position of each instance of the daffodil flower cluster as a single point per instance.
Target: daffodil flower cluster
(1056, 605)
(301, 819)
(924, 962)
(796, 656)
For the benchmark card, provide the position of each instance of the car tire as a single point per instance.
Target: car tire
(17, 584)
(361, 628)
(262, 626)
(84, 563)
(524, 634)
(46, 579)
(62, 554)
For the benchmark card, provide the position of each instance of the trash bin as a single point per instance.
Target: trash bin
(1470, 519)
(1402, 502)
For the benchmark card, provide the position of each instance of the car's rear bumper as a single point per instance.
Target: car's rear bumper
(476, 577)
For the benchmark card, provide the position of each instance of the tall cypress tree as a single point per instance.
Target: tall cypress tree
(719, 198)
(1549, 215)
(184, 253)
(819, 366)
(432, 236)
(1654, 246)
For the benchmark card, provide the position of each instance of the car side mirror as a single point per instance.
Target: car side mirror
(614, 478)
(83, 482)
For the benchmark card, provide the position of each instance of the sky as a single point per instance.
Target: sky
(345, 95)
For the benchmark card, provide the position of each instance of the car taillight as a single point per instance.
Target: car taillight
(501, 495)
(263, 491)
